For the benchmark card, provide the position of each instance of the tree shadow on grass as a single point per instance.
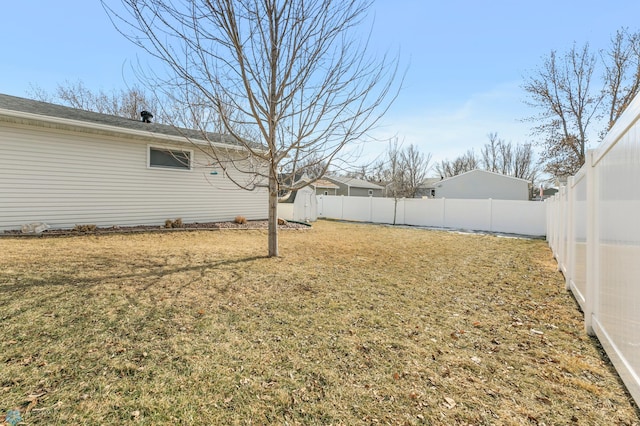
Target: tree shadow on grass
(21, 284)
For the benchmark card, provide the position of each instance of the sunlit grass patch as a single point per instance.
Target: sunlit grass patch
(354, 324)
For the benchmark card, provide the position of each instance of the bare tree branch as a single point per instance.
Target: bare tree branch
(288, 79)
(562, 91)
(622, 73)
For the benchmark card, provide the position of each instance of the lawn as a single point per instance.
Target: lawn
(353, 324)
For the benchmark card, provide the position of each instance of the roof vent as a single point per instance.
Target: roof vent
(146, 116)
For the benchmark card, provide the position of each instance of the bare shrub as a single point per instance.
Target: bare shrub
(85, 228)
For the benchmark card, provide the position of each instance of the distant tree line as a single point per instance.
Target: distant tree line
(496, 156)
(401, 171)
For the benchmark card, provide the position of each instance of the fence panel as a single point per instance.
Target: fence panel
(518, 217)
(616, 316)
(508, 216)
(425, 212)
(594, 232)
(382, 210)
(358, 208)
(468, 214)
(577, 241)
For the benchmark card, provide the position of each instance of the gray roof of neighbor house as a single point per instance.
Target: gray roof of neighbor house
(353, 182)
(430, 182)
(323, 183)
(479, 171)
(45, 109)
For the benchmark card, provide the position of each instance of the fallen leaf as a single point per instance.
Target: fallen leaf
(396, 376)
(449, 402)
(35, 396)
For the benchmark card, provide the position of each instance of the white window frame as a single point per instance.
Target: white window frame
(169, 148)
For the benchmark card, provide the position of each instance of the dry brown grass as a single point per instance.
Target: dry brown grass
(354, 324)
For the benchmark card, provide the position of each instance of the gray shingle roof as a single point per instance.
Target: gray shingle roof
(46, 109)
(353, 182)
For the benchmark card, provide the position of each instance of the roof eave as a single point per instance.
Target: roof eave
(27, 118)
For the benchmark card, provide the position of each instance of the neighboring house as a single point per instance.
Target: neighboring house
(428, 188)
(64, 166)
(325, 187)
(482, 184)
(353, 187)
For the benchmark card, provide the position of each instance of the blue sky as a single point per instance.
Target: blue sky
(467, 59)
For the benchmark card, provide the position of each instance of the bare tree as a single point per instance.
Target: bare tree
(375, 172)
(562, 91)
(401, 172)
(395, 176)
(313, 168)
(415, 166)
(523, 165)
(464, 163)
(622, 73)
(502, 157)
(179, 107)
(122, 103)
(491, 153)
(288, 79)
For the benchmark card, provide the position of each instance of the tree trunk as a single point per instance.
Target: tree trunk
(395, 208)
(273, 216)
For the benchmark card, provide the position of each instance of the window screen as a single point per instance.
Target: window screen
(169, 158)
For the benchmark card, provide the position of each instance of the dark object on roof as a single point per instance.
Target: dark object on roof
(146, 116)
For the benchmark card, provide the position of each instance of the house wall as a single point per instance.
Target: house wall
(330, 191)
(342, 189)
(482, 186)
(364, 192)
(64, 178)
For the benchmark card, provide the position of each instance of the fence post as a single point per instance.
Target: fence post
(444, 212)
(593, 241)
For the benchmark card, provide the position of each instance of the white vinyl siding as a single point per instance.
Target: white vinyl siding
(481, 184)
(64, 178)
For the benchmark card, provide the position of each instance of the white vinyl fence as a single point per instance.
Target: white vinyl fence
(593, 229)
(503, 216)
